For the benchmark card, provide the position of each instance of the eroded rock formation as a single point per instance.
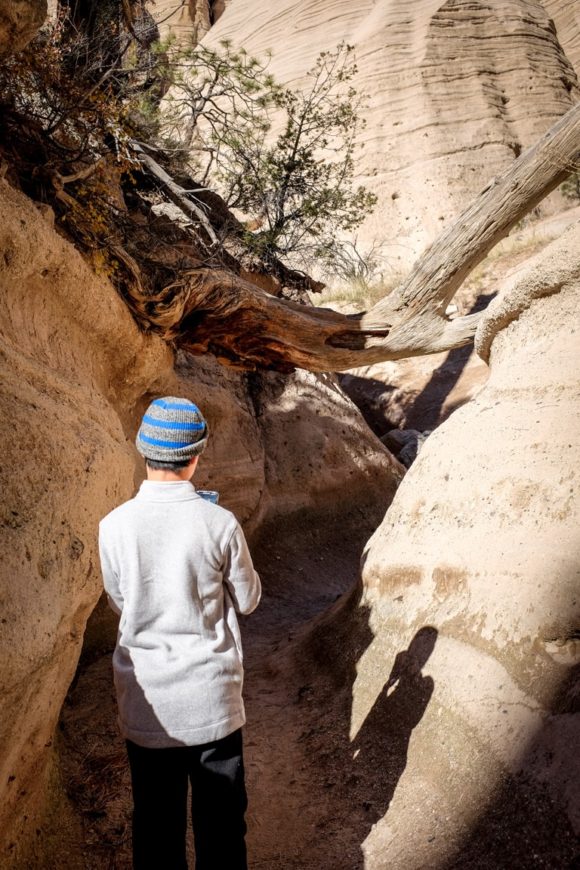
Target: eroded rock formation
(469, 584)
(77, 375)
(456, 90)
(478, 561)
(187, 22)
(71, 356)
(566, 17)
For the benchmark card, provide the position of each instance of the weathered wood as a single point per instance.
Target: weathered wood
(174, 191)
(441, 271)
(246, 327)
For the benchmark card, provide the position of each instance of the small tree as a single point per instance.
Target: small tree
(571, 187)
(296, 188)
(76, 109)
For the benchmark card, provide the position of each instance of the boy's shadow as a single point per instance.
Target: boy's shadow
(379, 749)
(374, 760)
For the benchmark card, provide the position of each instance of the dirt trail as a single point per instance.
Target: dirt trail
(306, 563)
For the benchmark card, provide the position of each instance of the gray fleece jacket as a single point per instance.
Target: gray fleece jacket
(177, 568)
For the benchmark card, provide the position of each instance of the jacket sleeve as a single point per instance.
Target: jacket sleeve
(110, 576)
(241, 579)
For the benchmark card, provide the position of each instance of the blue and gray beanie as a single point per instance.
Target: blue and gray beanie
(172, 430)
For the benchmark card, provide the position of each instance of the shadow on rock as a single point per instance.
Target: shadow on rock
(381, 745)
(361, 773)
(426, 409)
(520, 827)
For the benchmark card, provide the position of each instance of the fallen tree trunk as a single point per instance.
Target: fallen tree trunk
(247, 328)
(241, 325)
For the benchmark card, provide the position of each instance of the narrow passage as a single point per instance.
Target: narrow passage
(300, 815)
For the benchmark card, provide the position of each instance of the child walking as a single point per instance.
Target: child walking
(176, 568)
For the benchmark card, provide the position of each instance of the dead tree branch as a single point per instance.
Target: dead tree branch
(440, 272)
(217, 312)
(174, 191)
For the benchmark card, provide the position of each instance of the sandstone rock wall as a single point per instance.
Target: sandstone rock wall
(69, 356)
(473, 580)
(77, 375)
(456, 90)
(187, 22)
(566, 17)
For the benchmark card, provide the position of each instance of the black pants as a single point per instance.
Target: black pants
(160, 777)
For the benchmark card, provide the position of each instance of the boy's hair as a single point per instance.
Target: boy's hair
(167, 466)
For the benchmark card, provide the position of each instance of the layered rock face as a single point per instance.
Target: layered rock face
(69, 355)
(77, 377)
(187, 22)
(471, 584)
(566, 17)
(456, 90)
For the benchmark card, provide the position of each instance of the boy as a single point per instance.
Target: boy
(176, 568)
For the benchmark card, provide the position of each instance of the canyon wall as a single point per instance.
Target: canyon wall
(77, 376)
(471, 583)
(566, 17)
(455, 90)
(71, 356)
(187, 22)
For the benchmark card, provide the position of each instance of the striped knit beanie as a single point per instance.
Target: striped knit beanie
(172, 430)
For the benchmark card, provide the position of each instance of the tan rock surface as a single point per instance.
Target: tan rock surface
(69, 355)
(482, 545)
(456, 90)
(188, 21)
(320, 455)
(284, 444)
(566, 17)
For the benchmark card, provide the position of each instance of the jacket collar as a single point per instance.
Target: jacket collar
(178, 490)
